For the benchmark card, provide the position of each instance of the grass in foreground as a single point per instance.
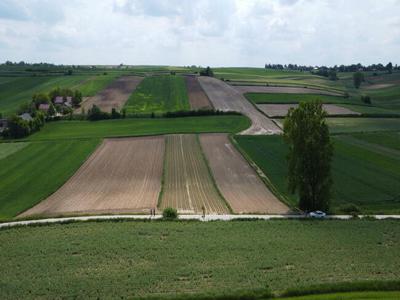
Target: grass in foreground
(33, 173)
(7, 149)
(363, 174)
(159, 94)
(131, 259)
(137, 127)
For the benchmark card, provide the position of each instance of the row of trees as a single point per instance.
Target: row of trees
(342, 68)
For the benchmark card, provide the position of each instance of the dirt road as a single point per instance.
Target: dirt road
(226, 98)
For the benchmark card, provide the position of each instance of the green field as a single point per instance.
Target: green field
(349, 125)
(366, 175)
(39, 169)
(136, 127)
(128, 259)
(260, 98)
(7, 149)
(159, 94)
(15, 91)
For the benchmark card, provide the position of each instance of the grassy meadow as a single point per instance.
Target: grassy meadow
(278, 98)
(364, 174)
(138, 126)
(33, 172)
(159, 94)
(133, 259)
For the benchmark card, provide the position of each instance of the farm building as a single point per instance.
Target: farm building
(58, 100)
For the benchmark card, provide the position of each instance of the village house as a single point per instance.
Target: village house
(44, 107)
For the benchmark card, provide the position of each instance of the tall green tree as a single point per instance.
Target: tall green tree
(358, 78)
(310, 155)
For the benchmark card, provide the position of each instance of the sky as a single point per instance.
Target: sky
(200, 32)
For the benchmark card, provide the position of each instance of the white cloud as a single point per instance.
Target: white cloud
(205, 32)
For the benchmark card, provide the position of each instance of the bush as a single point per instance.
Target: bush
(366, 99)
(350, 209)
(170, 213)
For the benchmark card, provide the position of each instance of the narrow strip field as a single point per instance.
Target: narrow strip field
(226, 98)
(285, 98)
(137, 127)
(31, 174)
(188, 185)
(236, 179)
(114, 96)
(197, 97)
(280, 89)
(159, 94)
(281, 110)
(123, 175)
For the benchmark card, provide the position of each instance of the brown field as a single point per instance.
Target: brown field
(113, 96)
(226, 98)
(281, 89)
(121, 176)
(197, 97)
(236, 179)
(187, 181)
(281, 110)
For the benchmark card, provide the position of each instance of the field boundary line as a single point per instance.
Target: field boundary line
(207, 218)
(163, 173)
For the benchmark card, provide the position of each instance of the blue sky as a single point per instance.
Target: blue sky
(201, 32)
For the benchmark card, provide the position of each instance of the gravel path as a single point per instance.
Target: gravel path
(226, 98)
(181, 217)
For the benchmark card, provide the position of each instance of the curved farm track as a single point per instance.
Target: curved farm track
(226, 98)
(121, 176)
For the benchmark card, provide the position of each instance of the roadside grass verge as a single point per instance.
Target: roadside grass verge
(139, 127)
(163, 259)
(39, 169)
(363, 175)
(159, 94)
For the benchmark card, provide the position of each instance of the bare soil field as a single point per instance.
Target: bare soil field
(281, 89)
(121, 176)
(378, 86)
(114, 96)
(226, 98)
(237, 180)
(281, 110)
(188, 184)
(197, 97)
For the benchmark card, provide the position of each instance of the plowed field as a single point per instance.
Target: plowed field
(236, 179)
(197, 97)
(188, 184)
(123, 175)
(114, 96)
